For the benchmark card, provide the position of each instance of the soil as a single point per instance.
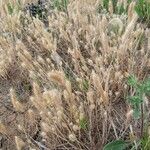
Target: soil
(8, 116)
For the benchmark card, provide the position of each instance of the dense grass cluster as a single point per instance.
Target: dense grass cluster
(83, 68)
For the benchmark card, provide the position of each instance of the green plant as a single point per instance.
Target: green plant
(105, 4)
(117, 9)
(12, 8)
(85, 85)
(136, 100)
(83, 123)
(142, 8)
(60, 5)
(145, 142)
(116, 145)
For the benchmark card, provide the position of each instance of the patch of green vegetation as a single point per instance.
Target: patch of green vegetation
(60, 5)
(141, 89)
(83, 123)
(145, 142)
(142, 8)
(85, 85)
(13, 8)
(116, 145)
(136, 101)
(117, 9)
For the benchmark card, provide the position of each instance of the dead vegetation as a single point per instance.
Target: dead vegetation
(64, 86)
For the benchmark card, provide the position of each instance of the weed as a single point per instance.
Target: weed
(140, 90)
(13, 8)
(60, 5)
(118, 7)
(143, 10)
(145, 141)
(83, 123)
(116, 145)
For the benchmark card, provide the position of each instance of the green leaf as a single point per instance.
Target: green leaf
(60, 5)
(146, 86)
(120, 9)
(116, 145)
(105, 4)
(85, 85)
(145, 141)
(83, 123)
(132, 81)
(136, 113)
(10, 8)
(142, 8)
(135, 100)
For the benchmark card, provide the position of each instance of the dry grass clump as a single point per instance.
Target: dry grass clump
(78, 67)
(6, 56)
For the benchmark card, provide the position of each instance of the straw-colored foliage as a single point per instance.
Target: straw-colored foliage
(77, 69)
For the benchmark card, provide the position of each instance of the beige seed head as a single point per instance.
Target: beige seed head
(90, 95)
(40, 60)
(45, 127)
(110, 7)
(75, 128)
(19, 143)
(59, 113)
(21, 128)
(43, 134)
(16, 104)
(129, 114)
(72, 137)
(31, 115)
(57, 77)
(92, 107)
(3, 129)
(131, 11)
(36, 90)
